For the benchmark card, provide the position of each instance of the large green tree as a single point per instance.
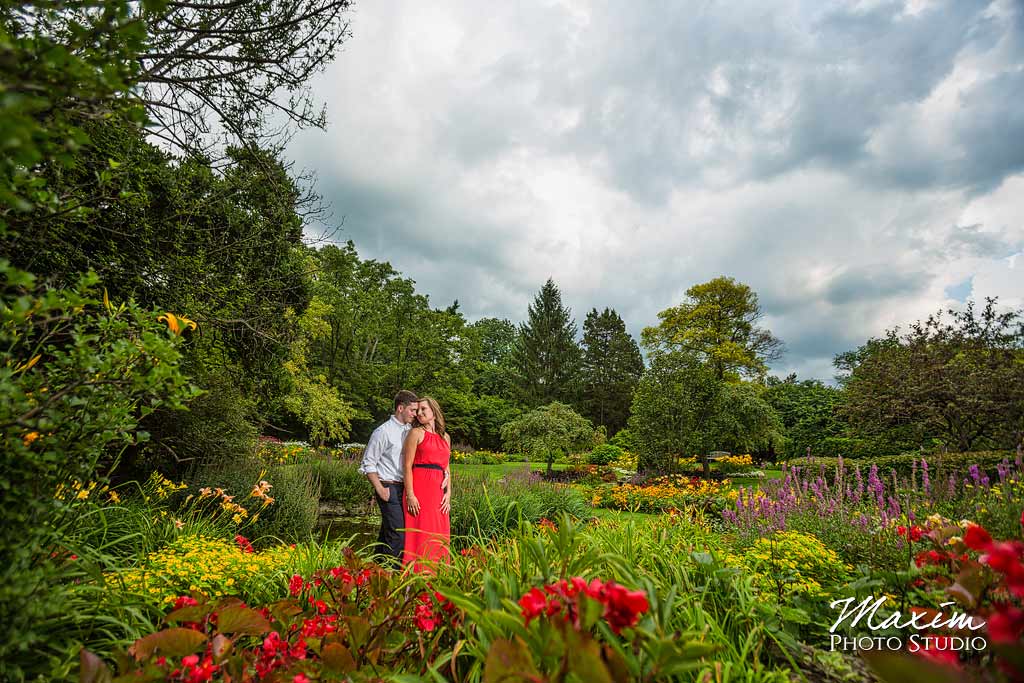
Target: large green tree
(955, 379)
(612, 366)
(494, 342)
(809, 410)
(718, 322)
(681, 408)
(547, 357)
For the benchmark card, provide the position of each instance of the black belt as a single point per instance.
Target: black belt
(430, 466)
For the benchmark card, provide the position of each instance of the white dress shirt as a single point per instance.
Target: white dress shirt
(383, 453)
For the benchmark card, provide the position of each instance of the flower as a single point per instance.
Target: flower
(295, 585)
(977, 538)
(532, 604)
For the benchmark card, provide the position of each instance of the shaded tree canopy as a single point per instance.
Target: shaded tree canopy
(958, 380)
(718, 323)
(612, 366)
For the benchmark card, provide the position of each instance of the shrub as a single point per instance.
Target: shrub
(904, 464)
(341, 480)
(485, 507)
(734, 464)
(604, 454)
(789, 562)
(293, 516)
(76, 375)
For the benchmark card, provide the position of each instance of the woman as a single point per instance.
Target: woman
(428, 488)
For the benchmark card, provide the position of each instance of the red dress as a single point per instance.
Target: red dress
(428, 533)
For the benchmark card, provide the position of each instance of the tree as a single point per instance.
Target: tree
(960, 383)
(809, 413)
(612, 366)
(546, 357)
(718, 323)
(494, 342)
(54, 80)
(681, 407)
(544, 430)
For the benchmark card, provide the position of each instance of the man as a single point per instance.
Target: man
(382, 465)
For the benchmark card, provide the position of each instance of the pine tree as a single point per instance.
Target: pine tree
(546, 357)
(612, 366)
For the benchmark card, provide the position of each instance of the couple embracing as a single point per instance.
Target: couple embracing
(407, 461)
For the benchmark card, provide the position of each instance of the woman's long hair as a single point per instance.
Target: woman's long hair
(438, 415)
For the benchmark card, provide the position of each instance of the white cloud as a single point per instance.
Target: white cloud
(839, 159)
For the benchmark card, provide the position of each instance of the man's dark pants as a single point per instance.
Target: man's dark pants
(390, 540)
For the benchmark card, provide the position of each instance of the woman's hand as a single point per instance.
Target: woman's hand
(446, 502)
(411, 504)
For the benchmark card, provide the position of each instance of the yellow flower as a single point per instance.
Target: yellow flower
(83, 494)
(29, 438)
(114, 498)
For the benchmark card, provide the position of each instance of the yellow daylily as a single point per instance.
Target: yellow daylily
(28, 364)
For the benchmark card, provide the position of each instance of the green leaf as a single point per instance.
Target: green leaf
(238, 619)
(508, 660)
(900, 667)
(173, 642)
(337, 658)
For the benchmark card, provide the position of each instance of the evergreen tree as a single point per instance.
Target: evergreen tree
(612, 366)
(546, 357)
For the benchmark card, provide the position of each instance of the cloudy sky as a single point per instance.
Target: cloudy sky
(859, 164)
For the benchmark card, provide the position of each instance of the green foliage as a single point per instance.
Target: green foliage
(959, 382)
(326, 415)
(76, 376)
(293, 515)
(544, 430)
(605, 454)
(809, 413)
(341, 480)
(494, 340)
(625, 439)
(60, 69)
(487, 508)
(612, 366)
(546, 356)
(681, 407)
(718, 324)
(903, 464)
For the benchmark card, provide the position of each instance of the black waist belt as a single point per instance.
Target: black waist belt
(430, 466)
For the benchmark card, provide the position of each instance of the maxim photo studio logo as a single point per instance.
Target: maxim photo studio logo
(915, 640)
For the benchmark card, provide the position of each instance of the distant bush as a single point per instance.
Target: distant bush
(605, 454)
(341, 480)
(904, 464)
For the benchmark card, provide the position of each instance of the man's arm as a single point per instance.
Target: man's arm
(371, 460)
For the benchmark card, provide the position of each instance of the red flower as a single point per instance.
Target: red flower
(938, 650)
(244, 544)
(532, 604)
(624, 607)
(185, 601)
(1006, 625)
(295, 585)
(300, 678)
(977, 538)
(425, 616)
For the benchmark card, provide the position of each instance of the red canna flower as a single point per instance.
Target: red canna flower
(295, 585)
(976, 538)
